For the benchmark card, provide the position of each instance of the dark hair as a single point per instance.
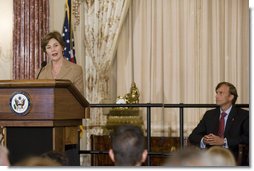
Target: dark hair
(52, 35)
(232, 90)
(127, 145)
(57, 156)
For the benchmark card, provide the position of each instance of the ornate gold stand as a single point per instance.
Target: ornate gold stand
(3, 136)
(125, 115)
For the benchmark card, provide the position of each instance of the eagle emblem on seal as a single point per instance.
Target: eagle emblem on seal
(20, 103)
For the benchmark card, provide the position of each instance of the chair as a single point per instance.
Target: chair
(243, 155)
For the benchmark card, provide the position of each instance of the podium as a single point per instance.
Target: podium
(40, 116)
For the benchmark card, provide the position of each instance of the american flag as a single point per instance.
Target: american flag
(69, 50)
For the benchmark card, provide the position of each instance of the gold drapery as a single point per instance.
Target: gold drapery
(103, 21)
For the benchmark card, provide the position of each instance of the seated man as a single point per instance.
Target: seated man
(128, 146)
(226, 125)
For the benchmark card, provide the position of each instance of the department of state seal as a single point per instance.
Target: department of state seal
(20, 103)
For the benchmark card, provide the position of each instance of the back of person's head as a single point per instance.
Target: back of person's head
(220, 156)
(37, 161)
(128, 146)
(187, 157)
(4, 156)
(57, 156)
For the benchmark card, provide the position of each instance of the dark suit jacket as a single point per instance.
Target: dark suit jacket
(236, 130)
(69, 71)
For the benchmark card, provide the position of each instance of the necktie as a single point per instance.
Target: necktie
(221, 124)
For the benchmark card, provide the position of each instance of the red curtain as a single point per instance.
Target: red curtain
(31, 23)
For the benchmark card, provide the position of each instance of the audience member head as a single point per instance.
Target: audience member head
(191, 156)
(57, 156)
(220, 156)
(37, 161)
(128, 146)
(4, 159)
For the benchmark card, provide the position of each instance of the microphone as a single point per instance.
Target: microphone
(43, 64)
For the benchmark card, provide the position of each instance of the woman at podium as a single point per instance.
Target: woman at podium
(59, 67)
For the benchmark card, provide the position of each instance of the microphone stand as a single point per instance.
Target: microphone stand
(43, 64)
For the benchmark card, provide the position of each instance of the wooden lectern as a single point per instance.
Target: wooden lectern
(40, 116)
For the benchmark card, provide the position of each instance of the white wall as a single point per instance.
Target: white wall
(56, 15)
(6, 26)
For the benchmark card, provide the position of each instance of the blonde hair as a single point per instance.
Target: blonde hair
(221, 156)
(38, 161)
